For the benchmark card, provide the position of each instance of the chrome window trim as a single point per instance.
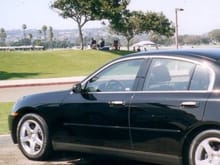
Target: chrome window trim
(136, 92)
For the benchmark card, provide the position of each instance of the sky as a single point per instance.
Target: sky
(199, 16)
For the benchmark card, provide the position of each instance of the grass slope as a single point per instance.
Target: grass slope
(5, 108)
(47, 64)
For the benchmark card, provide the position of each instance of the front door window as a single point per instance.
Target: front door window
(118, 77)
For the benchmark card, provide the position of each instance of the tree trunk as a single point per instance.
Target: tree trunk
(81, 37)
(128, 44)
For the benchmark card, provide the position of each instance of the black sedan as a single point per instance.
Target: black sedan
(160, 107)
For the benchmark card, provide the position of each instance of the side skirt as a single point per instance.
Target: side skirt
(131, 154)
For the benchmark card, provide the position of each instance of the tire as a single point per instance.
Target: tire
(33, 137)
(205, 148)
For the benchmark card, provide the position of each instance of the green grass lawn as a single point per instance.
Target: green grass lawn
(5, 108)
(52, 63)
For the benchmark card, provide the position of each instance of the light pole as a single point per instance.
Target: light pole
(177, 37)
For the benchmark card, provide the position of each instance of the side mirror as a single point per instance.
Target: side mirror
(77, 88)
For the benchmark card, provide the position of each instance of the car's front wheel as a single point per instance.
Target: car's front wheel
(205, 148)
(33, 137)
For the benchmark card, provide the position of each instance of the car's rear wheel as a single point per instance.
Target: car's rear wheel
(33, 137)
(205, 148)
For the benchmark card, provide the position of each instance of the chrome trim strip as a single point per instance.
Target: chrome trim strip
(154, 129)
(95, 126)
(121, 127)
(134, 92)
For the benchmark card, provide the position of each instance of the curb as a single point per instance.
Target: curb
(40, 82)
(37, 84)
(5, 135)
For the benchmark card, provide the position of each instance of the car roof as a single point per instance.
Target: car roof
(212, 54)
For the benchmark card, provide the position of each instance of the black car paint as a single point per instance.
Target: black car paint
(43, 104)
(145, 124)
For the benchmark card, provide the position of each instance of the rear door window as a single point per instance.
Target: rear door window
(201, 78)
(169, 75)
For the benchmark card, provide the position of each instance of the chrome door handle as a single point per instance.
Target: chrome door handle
(189, 104)
(116, 103)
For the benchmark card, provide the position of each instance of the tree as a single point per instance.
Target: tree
(160, 39)
(137, 22)
(51, 35)
(3, 36)
(215, 35)
(44, 30)
(24, 27)
(39, 33)
(158, 23)
(83, 11)
(127, 26)
(30, 36)
(193, 39)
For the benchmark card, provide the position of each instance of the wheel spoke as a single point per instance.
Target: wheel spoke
(25, 139)
(25, 129)
(206, 146)
(32, 147)
(39, 142)
(36, 129)
(27, 126)
(203, 148)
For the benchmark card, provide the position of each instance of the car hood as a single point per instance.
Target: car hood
(41, 99)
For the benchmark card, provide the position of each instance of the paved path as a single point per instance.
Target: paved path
(13, 94)
(12, 90)
(39, 82)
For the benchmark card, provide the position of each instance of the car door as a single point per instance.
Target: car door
(98, 115)
(173, 99)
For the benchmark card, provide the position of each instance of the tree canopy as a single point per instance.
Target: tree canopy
(83, 11)
(44, 30)
(137, 22)
(3, 36)
(215, 35)
(24, 27)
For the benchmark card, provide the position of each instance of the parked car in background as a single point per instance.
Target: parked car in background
(160, 106)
